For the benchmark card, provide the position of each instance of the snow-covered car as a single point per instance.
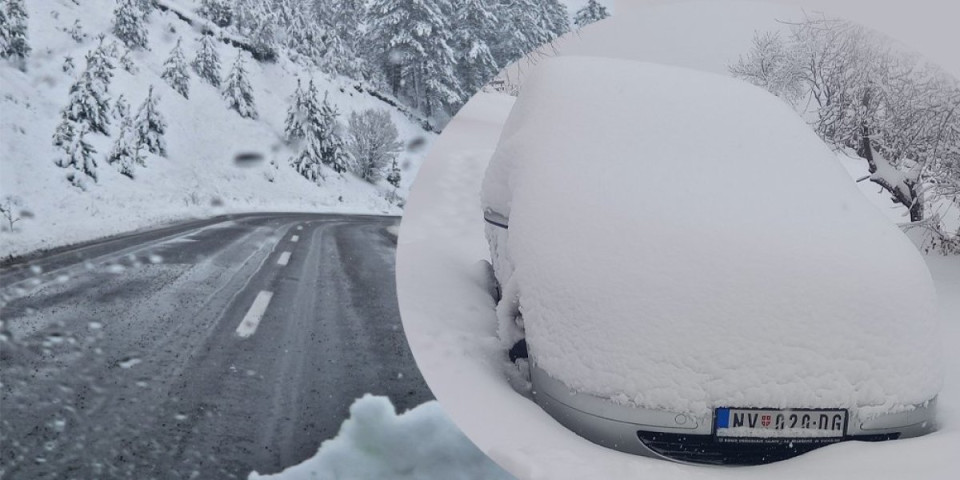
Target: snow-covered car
(693, 274)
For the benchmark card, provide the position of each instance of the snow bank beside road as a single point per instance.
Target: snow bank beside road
(376, 443)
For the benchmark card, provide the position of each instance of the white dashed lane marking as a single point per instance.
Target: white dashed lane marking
(295, 238)
(284, 258)
(248, 326)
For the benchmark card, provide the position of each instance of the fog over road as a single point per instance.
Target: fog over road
(201, 350)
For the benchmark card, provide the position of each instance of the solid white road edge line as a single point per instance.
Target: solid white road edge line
(295, 238)
(248, 326)
(284, 258)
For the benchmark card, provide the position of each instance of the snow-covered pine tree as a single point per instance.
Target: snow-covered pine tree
(519, 31)
(76, 32)
(145, 7)
(307, 162)
(128, 24)
(127, 63)
(4, 30)
(256, 20)
(126, 153)
(121, 111)
(342, 22)
(207, 61)
(77, 155)
(297, 29)
(68, 66)
(372, 143)
(411, 45)
(332, 150)
(338, 58)
(14, 33)
(554, 18)
(393, 178)
(100, 64)
(149, 126)
(476, 26)
(220, 12)
(89, 102)
(297, 115)
(63, 135)
(591, 12)
(237, 90)
(175, 71)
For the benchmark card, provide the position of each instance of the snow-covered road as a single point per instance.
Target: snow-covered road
(204, 350)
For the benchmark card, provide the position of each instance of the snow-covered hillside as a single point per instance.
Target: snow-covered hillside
(216, 162)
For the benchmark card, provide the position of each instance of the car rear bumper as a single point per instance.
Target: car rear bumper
(681, 437)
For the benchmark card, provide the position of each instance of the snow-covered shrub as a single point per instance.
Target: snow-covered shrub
(863, 95)
(10, 210)
(372, 142)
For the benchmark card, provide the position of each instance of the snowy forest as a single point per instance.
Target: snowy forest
(867, 98)
(343, 92)
(409, 49)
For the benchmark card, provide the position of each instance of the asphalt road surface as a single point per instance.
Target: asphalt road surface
(207, 349)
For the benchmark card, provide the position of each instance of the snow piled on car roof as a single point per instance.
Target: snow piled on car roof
(683, 241)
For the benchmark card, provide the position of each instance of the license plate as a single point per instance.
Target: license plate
(759, 423)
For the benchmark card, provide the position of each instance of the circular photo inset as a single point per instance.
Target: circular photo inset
(643, 251)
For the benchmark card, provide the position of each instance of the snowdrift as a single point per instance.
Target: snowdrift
(683, 241)
(378, 443)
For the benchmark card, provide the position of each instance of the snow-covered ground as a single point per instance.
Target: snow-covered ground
(449, 317)
(201, 175)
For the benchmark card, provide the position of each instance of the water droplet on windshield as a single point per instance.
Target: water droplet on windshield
(128, 362)
(395, 56)
(416, 144)
(248, 159)
(59, 425)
